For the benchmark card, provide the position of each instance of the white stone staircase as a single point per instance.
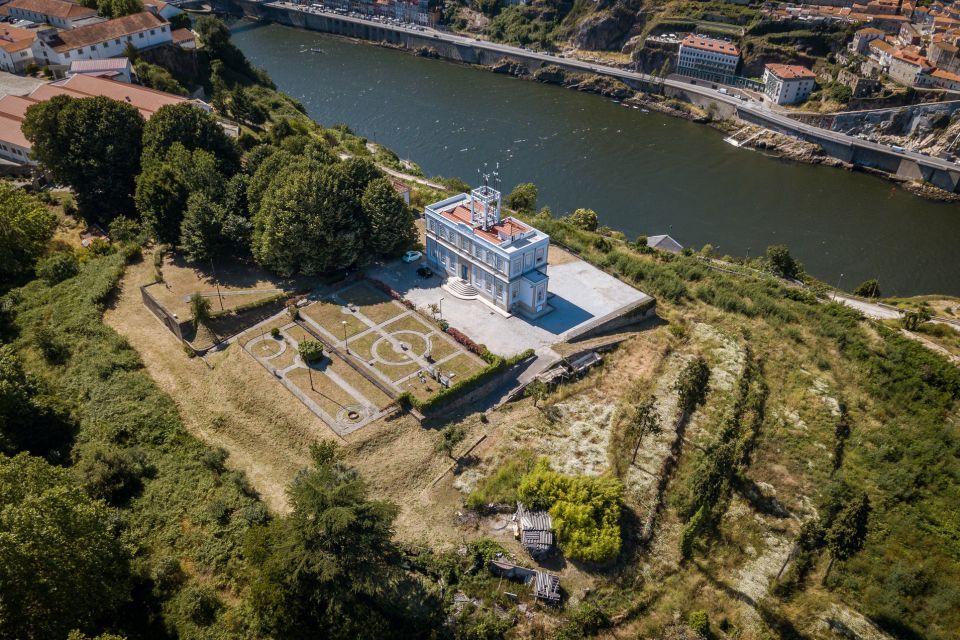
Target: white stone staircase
(461, 289)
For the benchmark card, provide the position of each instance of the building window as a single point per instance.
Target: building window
(540, 254)
(499, 293)
(140, 35)
(153, 32)
(540, 294)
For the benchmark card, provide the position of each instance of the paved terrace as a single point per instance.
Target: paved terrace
(579, 294)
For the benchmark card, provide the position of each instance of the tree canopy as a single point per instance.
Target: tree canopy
(92, 145)
(391, 221)
(194, 129)
(62, 566)
(330, 569)
(26, 227)
(523, 197)
(585, 219)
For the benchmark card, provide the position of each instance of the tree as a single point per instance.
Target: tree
(523, 197)
(156, 77)
(693, 385)
(868, 289)
(30, 420)
(644, 420)
(166, 184)
(91, 144)
(200, 310)
(26, 226)
(392, 228)
(194, 129)
(201, 231)
(450, 438)
(310, 219)
(62, 565)
(329, 569)
(782, 263)
(848, 531)
(537, 389)
(117, 8)
(311, 351)
(585, 219)
(910, 320)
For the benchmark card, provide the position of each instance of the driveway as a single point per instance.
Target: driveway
(579, 294)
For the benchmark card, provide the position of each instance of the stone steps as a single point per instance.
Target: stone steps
(461, 289)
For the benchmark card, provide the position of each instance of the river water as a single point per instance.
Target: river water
(644, 173)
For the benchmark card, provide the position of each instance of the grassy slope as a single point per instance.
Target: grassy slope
(904, 449)
(186, 510)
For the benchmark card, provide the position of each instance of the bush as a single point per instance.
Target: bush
(58, 267)
(585, 219)
(311, 351)
(585, 509)
(275, 333)
(700, 623)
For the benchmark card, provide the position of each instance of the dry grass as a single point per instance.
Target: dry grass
(247, 282)
(236, 405)
(331, 317)
(330, 396)
(362, 346)
(462, 365)
(556, 255)
(376, 305)
(396, 371)
(409, 322)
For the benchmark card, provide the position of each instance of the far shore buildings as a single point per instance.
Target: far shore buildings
(703, 56)
(16, 148)
(501, 261)
(787, 83)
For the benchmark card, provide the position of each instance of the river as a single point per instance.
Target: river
(644, 173)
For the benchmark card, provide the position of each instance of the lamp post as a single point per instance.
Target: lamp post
(441, 307)
(345, 345)
(838, 281)
(310, 375)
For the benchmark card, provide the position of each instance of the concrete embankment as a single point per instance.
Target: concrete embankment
(610, 81)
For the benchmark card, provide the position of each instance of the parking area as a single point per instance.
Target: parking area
(578, 292)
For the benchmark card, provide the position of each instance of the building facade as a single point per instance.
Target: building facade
(16, 48)
(702, 55)
(787, 83)
(107, 39)
(503, 261)
(56, 13)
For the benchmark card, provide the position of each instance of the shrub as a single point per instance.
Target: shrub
(700, 623)
(275, 333)
(58, 267)
(311, 351)
(585, 509)
(585, 219)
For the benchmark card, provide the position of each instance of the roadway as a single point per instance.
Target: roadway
(761, 109)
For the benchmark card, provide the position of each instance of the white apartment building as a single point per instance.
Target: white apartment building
(787, 83)
(502, 261)
(699, 54)
(57, 13)
(102, 40)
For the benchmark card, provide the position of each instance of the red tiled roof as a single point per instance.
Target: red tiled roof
(945, 75)
(507, 226)
(182, 35)
(54, 8)
(147, 101)
(109, 30)
(709, 44)
(13, 39)
(790, 71)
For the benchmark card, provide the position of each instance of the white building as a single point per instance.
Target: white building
(699, 54)
(502, 261)
(57, 13)
(102, 40)
(16, 48)
(163, 9)
(787, 83)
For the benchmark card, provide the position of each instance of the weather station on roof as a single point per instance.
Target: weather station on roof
(499, 261)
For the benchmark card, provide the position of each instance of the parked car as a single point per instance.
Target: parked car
(425, 272)
(412, 256)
